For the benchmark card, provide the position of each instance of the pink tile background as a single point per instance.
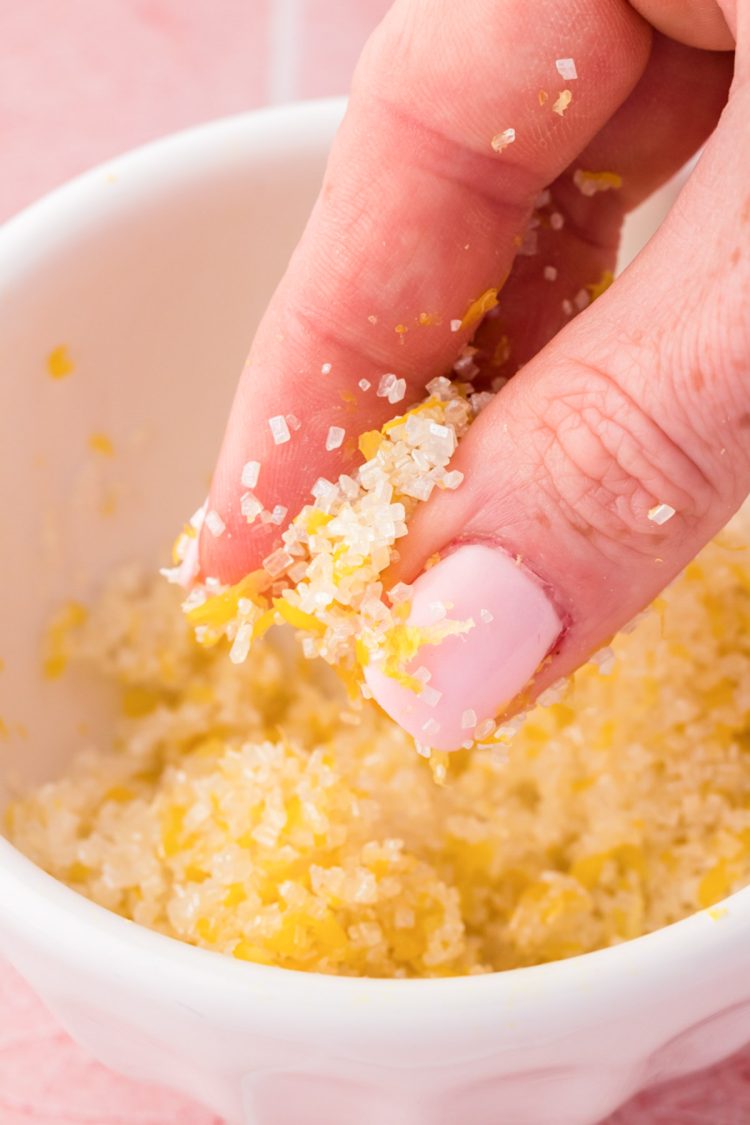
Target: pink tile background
(80, 81)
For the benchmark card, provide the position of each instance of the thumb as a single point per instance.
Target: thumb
(598, 471)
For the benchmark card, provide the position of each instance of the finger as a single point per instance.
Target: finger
(638, 410)
(669, 115)
(417, 217)
(699, 23)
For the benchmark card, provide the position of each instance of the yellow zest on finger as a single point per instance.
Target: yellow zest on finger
(589, 183)
(479, 308)
(602, 285)
(402, 643)
(562, 101)
(369, 443)
(501, 354)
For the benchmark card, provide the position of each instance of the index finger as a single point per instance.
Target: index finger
(459, 116)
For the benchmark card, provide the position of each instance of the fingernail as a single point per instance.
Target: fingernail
(480, 672)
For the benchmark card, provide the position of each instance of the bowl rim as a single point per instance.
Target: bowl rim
(40, 910)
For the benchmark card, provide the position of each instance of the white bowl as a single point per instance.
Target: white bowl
(153, 271)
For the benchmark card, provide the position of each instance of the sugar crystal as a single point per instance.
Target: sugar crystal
(468, 719)
(250, 474)
(279, 429)
(277, 562)
(566, 68)
(501, 140)
(430, 695)
(250, 506)
(335, 438)
(386, 384)
(661, 513)
(215, 523)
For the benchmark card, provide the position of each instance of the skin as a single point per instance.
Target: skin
(642, 398)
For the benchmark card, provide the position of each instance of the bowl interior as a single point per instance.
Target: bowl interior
(152, 273)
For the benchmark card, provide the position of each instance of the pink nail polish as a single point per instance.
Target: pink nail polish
(479, 673)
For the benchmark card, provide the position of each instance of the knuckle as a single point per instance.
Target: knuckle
(604, 462)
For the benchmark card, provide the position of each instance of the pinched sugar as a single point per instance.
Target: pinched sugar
(250, 809)
(325, 578)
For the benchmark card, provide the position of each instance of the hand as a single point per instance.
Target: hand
(642, 400)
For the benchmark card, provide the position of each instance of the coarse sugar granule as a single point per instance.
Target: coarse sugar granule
(279, 429)
(250, 474)
(566, 68)
(214, 523)
(250, 506)
(502, 140)
(335, 437)
(661, 513)
(232, 806)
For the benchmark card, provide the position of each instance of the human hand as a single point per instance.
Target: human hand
(641, 400)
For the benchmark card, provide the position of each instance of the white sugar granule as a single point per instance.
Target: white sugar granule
(215, 523)
(501, 140)
(658, 514)
(279, 429)
(397, 391)
(387, 382)
(250, 506)
(335, 438)
(250, 474)
(566, 68)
